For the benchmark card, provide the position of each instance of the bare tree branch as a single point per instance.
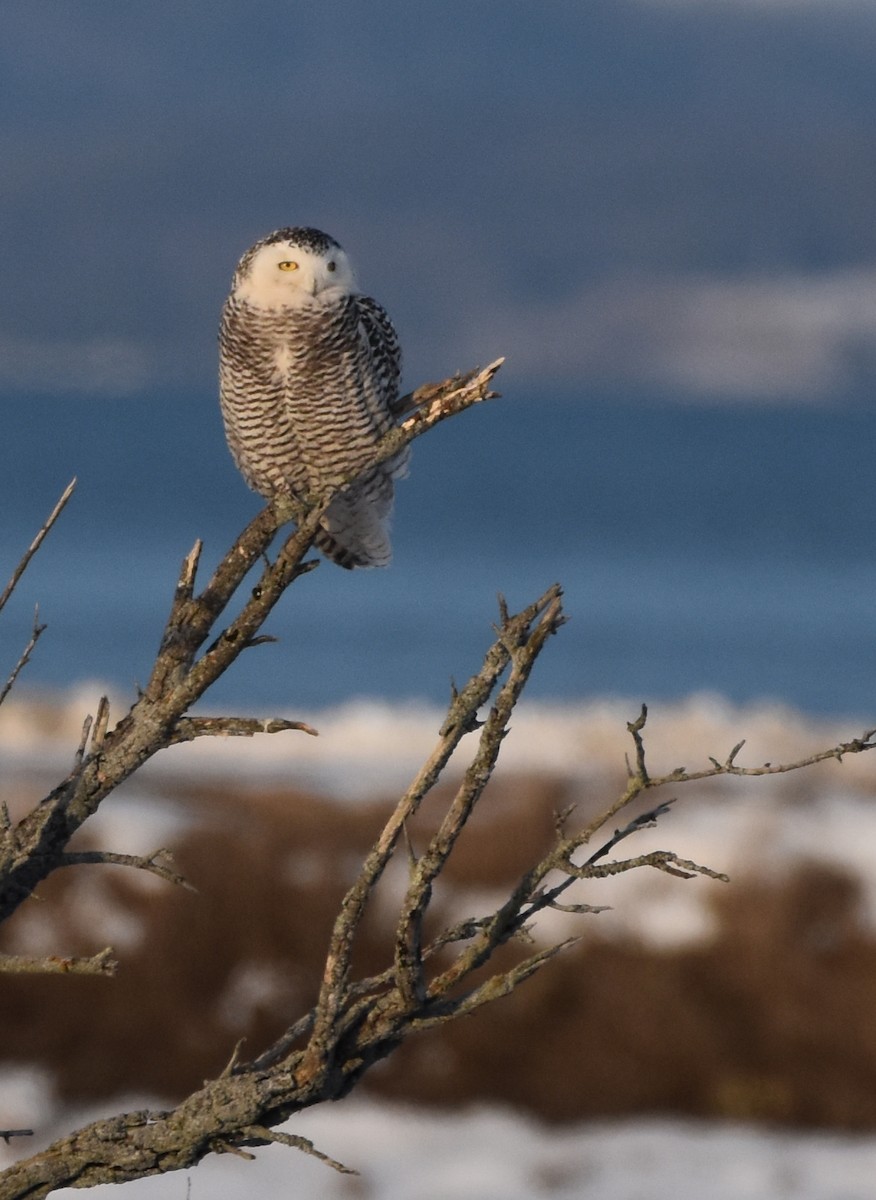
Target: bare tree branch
(33, 848)
(428, 393)
(189, 728)
(354, 1024)
(54, 964)
(159, 863)
(265, 1136)
(37, 631)
(36, 543)
(101, 721)
(663, 860)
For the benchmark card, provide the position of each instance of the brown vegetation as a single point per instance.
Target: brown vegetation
(771, 1019)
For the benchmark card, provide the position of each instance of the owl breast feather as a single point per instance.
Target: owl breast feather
(306, 394)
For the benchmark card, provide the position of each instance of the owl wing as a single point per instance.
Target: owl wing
(356, 524)
(380, 340)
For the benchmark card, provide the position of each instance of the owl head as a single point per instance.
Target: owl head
(293, 268)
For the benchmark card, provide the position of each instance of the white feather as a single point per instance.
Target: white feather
(267, 285)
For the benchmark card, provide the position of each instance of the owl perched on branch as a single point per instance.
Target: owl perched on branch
(309, 373)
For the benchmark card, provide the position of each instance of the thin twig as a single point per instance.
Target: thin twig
(454, 728)
(101, 721)
(37, 631)
(79, 756)
(522, 642)
(36, 543)
(644, 821)
(189, 728)
(427, 393)
(662, 860)
(264, 1135)
(54, 964)
(159, 863)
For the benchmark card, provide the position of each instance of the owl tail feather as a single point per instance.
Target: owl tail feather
(354, 530)
(372, 550)
(337, 553)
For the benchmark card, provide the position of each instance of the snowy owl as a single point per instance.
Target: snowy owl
(309, 372)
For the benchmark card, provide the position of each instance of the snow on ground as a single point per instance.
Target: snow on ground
(369, 749)
(488, 1154)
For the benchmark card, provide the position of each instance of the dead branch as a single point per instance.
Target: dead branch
(36, 543)
(263, 1136)
(24, 658)
(522, 652)
(355, 1023)
(428, 393)
(662, 860)
(189, 728)
(54, 964)
(159, 863)
(101, 721)
(184, 670)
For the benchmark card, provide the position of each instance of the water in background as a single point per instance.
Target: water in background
(727, 549)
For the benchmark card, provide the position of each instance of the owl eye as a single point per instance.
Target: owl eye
(288, 265)
(332, 266)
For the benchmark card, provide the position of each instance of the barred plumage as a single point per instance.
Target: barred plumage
(309, 374)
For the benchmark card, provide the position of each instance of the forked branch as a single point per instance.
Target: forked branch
(202, 638)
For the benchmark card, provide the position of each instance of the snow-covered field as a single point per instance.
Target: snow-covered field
(826, 813)
(369, 747)
(488, 1154)
(367, 750)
